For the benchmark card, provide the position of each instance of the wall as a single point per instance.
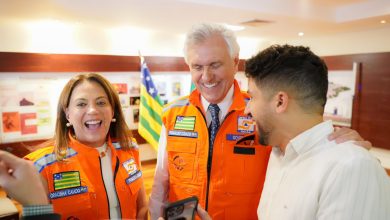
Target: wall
(58, 63)
(375, 40)
(371, 113)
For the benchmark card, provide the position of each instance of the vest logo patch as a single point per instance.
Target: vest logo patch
(130, 166)
(245, 124)
(186, 123)
(189, 134)
(134, 177)
(68, 192)
(66, 180)
(178, 163)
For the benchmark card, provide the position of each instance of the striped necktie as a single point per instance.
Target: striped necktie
(214, 110)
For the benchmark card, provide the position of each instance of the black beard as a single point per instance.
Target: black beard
(264, 136)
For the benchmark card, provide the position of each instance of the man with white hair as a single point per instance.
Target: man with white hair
(208, 146)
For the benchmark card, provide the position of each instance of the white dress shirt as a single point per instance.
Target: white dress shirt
(159, 195)
(319, 179)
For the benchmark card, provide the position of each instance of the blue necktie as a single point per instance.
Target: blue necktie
(214, 110)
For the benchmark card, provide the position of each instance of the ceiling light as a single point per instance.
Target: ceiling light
(383, 22)
(234, 27)
(301, 34)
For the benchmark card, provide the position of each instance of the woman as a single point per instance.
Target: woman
(92, 168)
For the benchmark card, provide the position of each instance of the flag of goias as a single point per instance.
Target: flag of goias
(150, 109)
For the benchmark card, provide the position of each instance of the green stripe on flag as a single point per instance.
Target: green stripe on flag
(145, 124)
(150, 119)
(155, 115)
(185, 123)
(66, 186)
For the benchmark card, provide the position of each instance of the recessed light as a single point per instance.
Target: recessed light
(383, 21)
(301, 34)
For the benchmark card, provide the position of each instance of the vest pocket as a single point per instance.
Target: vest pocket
(245, 169)
(181, 159)
(182, 191)
(135, 186)
(78, 206)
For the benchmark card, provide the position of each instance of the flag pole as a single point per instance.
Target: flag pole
(142, 59)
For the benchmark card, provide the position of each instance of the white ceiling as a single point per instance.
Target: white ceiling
(286, 17)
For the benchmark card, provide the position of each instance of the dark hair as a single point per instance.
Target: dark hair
(294, 69)
(118, 130)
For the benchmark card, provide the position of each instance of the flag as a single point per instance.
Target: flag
(185, 123)
(150, 109)
(66, 180)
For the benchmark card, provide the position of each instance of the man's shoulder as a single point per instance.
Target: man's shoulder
(348, 154)
(245, 96)
(180, 102)
(350, 149)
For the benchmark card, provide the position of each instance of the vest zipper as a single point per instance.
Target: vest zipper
(116, 192)
(209, 162)
(208, 175)
(101, 175)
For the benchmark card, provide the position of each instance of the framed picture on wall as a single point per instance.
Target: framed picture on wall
(340, 96)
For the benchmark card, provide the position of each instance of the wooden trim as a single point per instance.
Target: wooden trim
(388, 171)
(21, 149)
(39, 62)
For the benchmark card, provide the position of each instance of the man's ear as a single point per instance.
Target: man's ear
(236, 62)
(281, 102)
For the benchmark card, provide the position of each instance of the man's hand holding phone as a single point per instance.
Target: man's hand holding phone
(181, 210)
(178, 210)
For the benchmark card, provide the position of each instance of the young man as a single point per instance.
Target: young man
(308, 176)
(199, 151)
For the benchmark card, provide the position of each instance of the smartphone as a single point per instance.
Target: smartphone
(181, 210)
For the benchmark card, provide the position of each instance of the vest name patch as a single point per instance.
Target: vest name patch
(245, 124)
(189, 134)
(134, 177)
(186, 123)
(68, 192)
(233, 137)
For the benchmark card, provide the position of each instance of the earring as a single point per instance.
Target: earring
(113, 120)
(68, 124)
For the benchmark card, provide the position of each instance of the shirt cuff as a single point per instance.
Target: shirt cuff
(37, 210)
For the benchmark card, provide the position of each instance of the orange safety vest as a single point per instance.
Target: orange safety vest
(239, 163)
(76, 186)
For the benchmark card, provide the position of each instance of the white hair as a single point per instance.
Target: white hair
(200, 32)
